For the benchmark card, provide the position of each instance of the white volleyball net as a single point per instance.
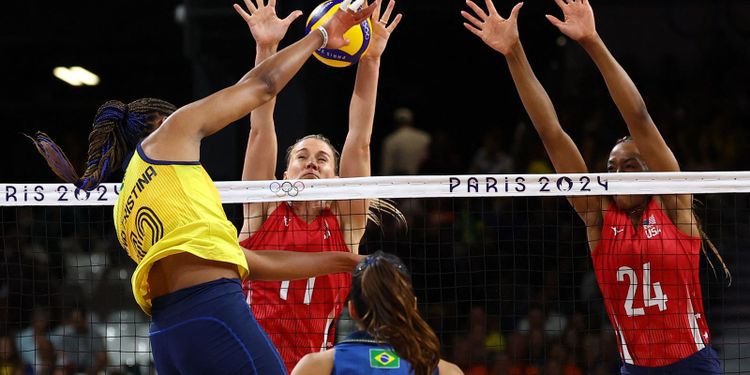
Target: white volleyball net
(500, 266)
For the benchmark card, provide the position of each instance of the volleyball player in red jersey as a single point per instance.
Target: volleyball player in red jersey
(645, 249)
(299, 315)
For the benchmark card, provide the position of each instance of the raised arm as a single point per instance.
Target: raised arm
(180, 135)
(355, 156)
(580, 26)
(267, 30)
(502, 35)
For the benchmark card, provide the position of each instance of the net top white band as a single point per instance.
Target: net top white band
(446, 186)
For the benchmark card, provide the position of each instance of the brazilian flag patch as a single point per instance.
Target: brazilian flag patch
(384, 358)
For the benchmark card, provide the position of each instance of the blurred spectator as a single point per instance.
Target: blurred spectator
(475, 349)
(609, 356)
(494, 340)
(34, 344)
(10, 361)
(405, 148)
(79, 349)
(552, 367)
(468, 358)
(499, 364)
(537, 350)
(482, 334)
(491, 157)
(591, 351)
(538, 162)
(563, 362)
(537, 319)
(18, 276)
(444, 156)
(517, 349)
(571, 340)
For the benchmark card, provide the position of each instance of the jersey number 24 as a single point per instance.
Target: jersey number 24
(652, 293)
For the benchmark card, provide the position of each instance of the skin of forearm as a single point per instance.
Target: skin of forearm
(533, 96)
(279, 68)
(290, 265)
(261, 119)
(362, 107)
(620, 86)
(265, 51)
(366, 82)
(366, 88)
(633, 109)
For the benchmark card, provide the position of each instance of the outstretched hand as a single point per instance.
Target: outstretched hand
(578, 21)
(348, 15)
(497, 32)
(381, 30)
(266, 27)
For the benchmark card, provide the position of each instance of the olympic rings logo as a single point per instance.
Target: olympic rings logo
(288, 188)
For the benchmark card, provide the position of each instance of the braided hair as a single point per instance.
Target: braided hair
(118, 127)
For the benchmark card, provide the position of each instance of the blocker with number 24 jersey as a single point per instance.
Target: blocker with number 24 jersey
(649, 277)
(298, 315)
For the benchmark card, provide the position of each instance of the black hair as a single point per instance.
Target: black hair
(118, 127)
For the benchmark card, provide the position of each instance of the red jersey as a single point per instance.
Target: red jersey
(648, 275)
(298, 315)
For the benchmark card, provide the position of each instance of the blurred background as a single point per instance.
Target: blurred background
(688, 59)
(507, 283)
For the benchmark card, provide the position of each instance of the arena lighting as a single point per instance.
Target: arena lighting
(76, 76)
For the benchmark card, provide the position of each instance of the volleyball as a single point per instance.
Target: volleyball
(358, 36)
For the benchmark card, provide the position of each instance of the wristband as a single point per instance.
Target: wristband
(323, 32)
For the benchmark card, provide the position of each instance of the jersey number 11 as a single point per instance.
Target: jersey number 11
(284, 290)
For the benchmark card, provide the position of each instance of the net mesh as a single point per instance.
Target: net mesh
(504, 277)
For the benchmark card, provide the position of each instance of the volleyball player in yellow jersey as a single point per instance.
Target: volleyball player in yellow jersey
(170, 219)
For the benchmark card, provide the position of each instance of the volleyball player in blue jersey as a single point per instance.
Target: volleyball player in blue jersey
(170, 219)
(392, 338)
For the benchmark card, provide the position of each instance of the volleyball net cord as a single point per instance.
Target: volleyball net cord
(444, 186)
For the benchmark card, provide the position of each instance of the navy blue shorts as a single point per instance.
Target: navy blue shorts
(209, 329)
(702, 362)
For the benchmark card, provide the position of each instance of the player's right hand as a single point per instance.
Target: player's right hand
(348, 15)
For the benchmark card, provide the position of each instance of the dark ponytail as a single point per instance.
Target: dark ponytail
(118, 127)
(383, 297)
(707, 242)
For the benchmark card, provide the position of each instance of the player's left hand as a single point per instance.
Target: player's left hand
(578, 21)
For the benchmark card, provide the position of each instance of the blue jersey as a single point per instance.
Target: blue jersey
(359, 353)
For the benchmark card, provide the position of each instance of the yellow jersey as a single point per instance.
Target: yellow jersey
(168, 207)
